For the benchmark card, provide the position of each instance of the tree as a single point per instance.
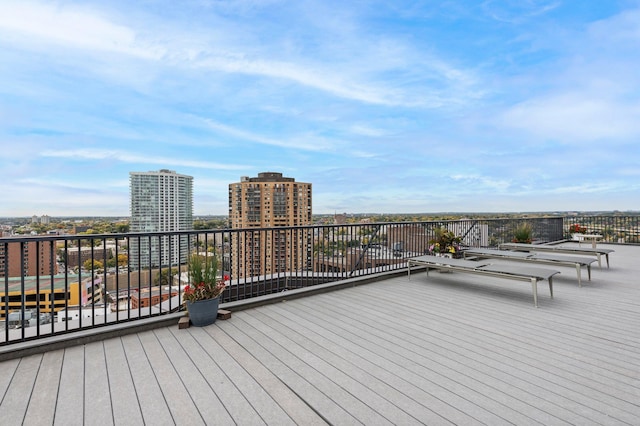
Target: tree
(62, 256)
(165, 278)
(123, 260)
(122, 228)
(92, 264)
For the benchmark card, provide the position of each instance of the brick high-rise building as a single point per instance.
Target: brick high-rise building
(269, 201)
(36, 258)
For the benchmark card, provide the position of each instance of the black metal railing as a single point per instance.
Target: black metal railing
(619, 229)
(61, 284)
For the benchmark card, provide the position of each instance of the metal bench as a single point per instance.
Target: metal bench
(547, 258)
(598, 252)
(528, 274)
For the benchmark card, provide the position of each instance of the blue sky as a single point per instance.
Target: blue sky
(384, 106)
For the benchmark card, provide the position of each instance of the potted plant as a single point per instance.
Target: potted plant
(577, 232)
(577, 229)
(445, 243)
(202, 295)
(523, 233)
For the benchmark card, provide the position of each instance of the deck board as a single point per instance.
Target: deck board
(42, 404)
(294, 378)
(173, 390)
(7, 373)
(350, 377)
(412, 352)
(153, 406)
(16, 398)
(440, 349)
(124, 401)
(250, 390)
(208, 404)
(71, 403)
(326, 379)
(97, 395)
(341, 351)
(206, 364)
(297, 411)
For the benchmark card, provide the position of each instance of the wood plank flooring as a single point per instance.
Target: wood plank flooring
(440, 350)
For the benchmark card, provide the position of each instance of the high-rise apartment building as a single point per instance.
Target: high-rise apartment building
(31, 258)
(269, 201)
(162, 202)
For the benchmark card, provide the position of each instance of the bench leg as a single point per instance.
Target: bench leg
(551, 286)
(534, 288)
(607, 256)
(589, 271)
(579, 275)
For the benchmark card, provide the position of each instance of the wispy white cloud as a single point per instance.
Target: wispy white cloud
(65, 184)
(590, 188)
(366, 130)
(92, 30)
(516, 11)
(576, 118)
(126, 157)
(72, 26)
(303, 142)
(485, 182)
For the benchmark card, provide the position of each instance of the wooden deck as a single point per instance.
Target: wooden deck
(444, 349)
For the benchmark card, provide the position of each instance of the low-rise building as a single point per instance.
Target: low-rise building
(50, 294)
(150, 297)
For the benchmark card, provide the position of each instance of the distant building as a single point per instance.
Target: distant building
(44, 219)
(269, 201)
(79, 229)
(77, 256)
(356, 259)
(29, 258)
(411, 238)
(50, 294)
(161, 201)
(151, 297)
(340, 219)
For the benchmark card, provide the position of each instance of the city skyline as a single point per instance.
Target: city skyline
(402, 107)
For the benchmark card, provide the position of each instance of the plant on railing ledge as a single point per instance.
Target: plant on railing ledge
(445, 243)
(577, 229)
(523, 233)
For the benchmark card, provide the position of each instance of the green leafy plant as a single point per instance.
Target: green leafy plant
(445, 241)
(523, 233)
(203, 274)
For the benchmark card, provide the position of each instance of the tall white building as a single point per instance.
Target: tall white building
(161, 202)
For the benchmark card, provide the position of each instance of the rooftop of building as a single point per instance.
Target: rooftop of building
(46, 283)
(447, 348)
